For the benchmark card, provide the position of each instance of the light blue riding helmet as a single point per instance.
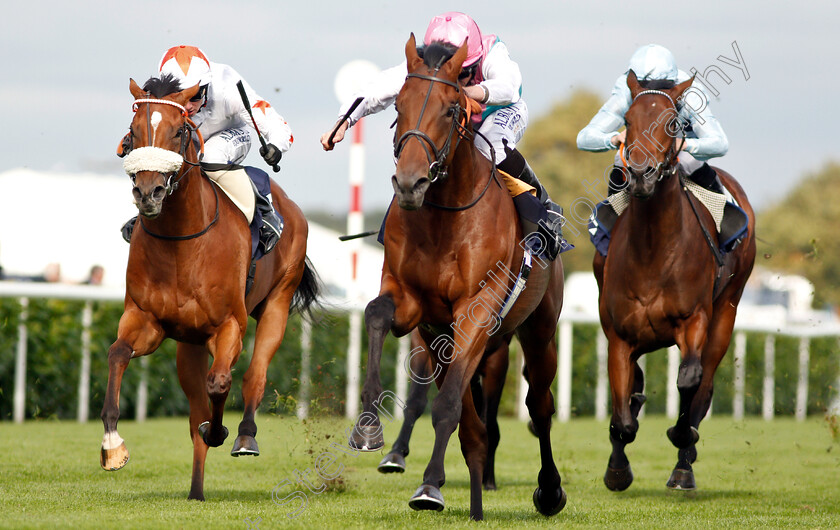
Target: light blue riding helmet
(653, 61)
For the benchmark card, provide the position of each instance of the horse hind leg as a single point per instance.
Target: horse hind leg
(496, 367)
(473, 435)
(192, 374)
(549, 497)
(271, 328)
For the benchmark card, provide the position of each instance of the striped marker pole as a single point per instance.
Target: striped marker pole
(355, 224)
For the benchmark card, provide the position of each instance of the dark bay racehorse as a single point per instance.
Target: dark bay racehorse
(487, 385)
(660, 283)
(186, 276)
(449, 236)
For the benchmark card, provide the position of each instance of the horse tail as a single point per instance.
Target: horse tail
(309, 291)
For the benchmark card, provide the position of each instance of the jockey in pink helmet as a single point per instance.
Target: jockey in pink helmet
(220, 114)
(490, 77)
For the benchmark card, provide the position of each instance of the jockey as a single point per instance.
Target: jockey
(490, 77)
(655, 67)
(219, 113)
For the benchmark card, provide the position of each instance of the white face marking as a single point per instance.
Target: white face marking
(155, 119)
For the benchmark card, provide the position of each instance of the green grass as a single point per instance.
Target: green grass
(751, 474)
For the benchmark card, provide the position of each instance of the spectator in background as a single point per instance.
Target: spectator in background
(52, 274)
(97, 273)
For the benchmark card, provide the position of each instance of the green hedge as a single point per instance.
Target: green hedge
(54, 346)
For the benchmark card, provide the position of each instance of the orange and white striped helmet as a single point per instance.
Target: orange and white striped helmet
(187, 64)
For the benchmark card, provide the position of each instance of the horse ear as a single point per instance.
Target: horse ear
(411, 56)
(187, 94)
(135, 89)
(678, 90)
(453, 66)
(633, 84)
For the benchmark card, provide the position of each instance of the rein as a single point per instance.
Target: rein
(187, 130)
(437, 169)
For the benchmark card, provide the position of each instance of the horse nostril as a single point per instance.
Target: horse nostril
(135, 191)
(159, 193)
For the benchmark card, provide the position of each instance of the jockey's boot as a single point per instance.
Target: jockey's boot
(515, 165)
(128, 229)
(272, 225)
(706, 177)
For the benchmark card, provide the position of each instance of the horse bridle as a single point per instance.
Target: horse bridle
(186, 130)
(438, 168)
(670, 161)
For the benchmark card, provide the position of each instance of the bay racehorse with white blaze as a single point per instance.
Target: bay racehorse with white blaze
(444, 237)
(186, 279)
(664, 282)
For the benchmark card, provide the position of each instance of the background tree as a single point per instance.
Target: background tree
(799, 233)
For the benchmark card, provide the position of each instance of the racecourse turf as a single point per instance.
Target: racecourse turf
(750, 474)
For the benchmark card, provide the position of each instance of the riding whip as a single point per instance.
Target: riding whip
(247, 104)
(343, 119)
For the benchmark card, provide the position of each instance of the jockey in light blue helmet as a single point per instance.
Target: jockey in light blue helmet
(655, 67)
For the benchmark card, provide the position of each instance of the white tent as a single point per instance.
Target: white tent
(74, 219)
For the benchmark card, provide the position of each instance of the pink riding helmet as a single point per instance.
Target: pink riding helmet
(454, 27)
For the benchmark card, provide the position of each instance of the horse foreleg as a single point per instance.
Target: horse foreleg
(379, 316)
(418, 390)
(495, 368)
(225, 346)
(192, 374)
(447, 408)
(691, 340)
(623, 424)
(138, 330)
(720, 331)
(271, 328)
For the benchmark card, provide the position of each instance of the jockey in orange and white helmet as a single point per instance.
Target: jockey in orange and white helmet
(219, 113)
(489, 76)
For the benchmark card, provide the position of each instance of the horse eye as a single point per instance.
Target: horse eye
(450, 112)
(178, 133)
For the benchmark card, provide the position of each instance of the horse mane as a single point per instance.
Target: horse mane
(437, 53)
(657, 84)
(162, 86)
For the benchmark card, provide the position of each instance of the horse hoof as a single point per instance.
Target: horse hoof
(490, 485)
(427, 498)
(549, 507)
(114, 459)
(392, 463)
(682, 479)
(245, 445)
(367, 438)
(618, 479)
(682, 442)
(204, 430)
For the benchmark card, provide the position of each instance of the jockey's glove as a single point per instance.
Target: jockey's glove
(271, 154)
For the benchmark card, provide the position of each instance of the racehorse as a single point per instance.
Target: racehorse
(487, 385)
(186, 279)
(448, 236)
(661, 284)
